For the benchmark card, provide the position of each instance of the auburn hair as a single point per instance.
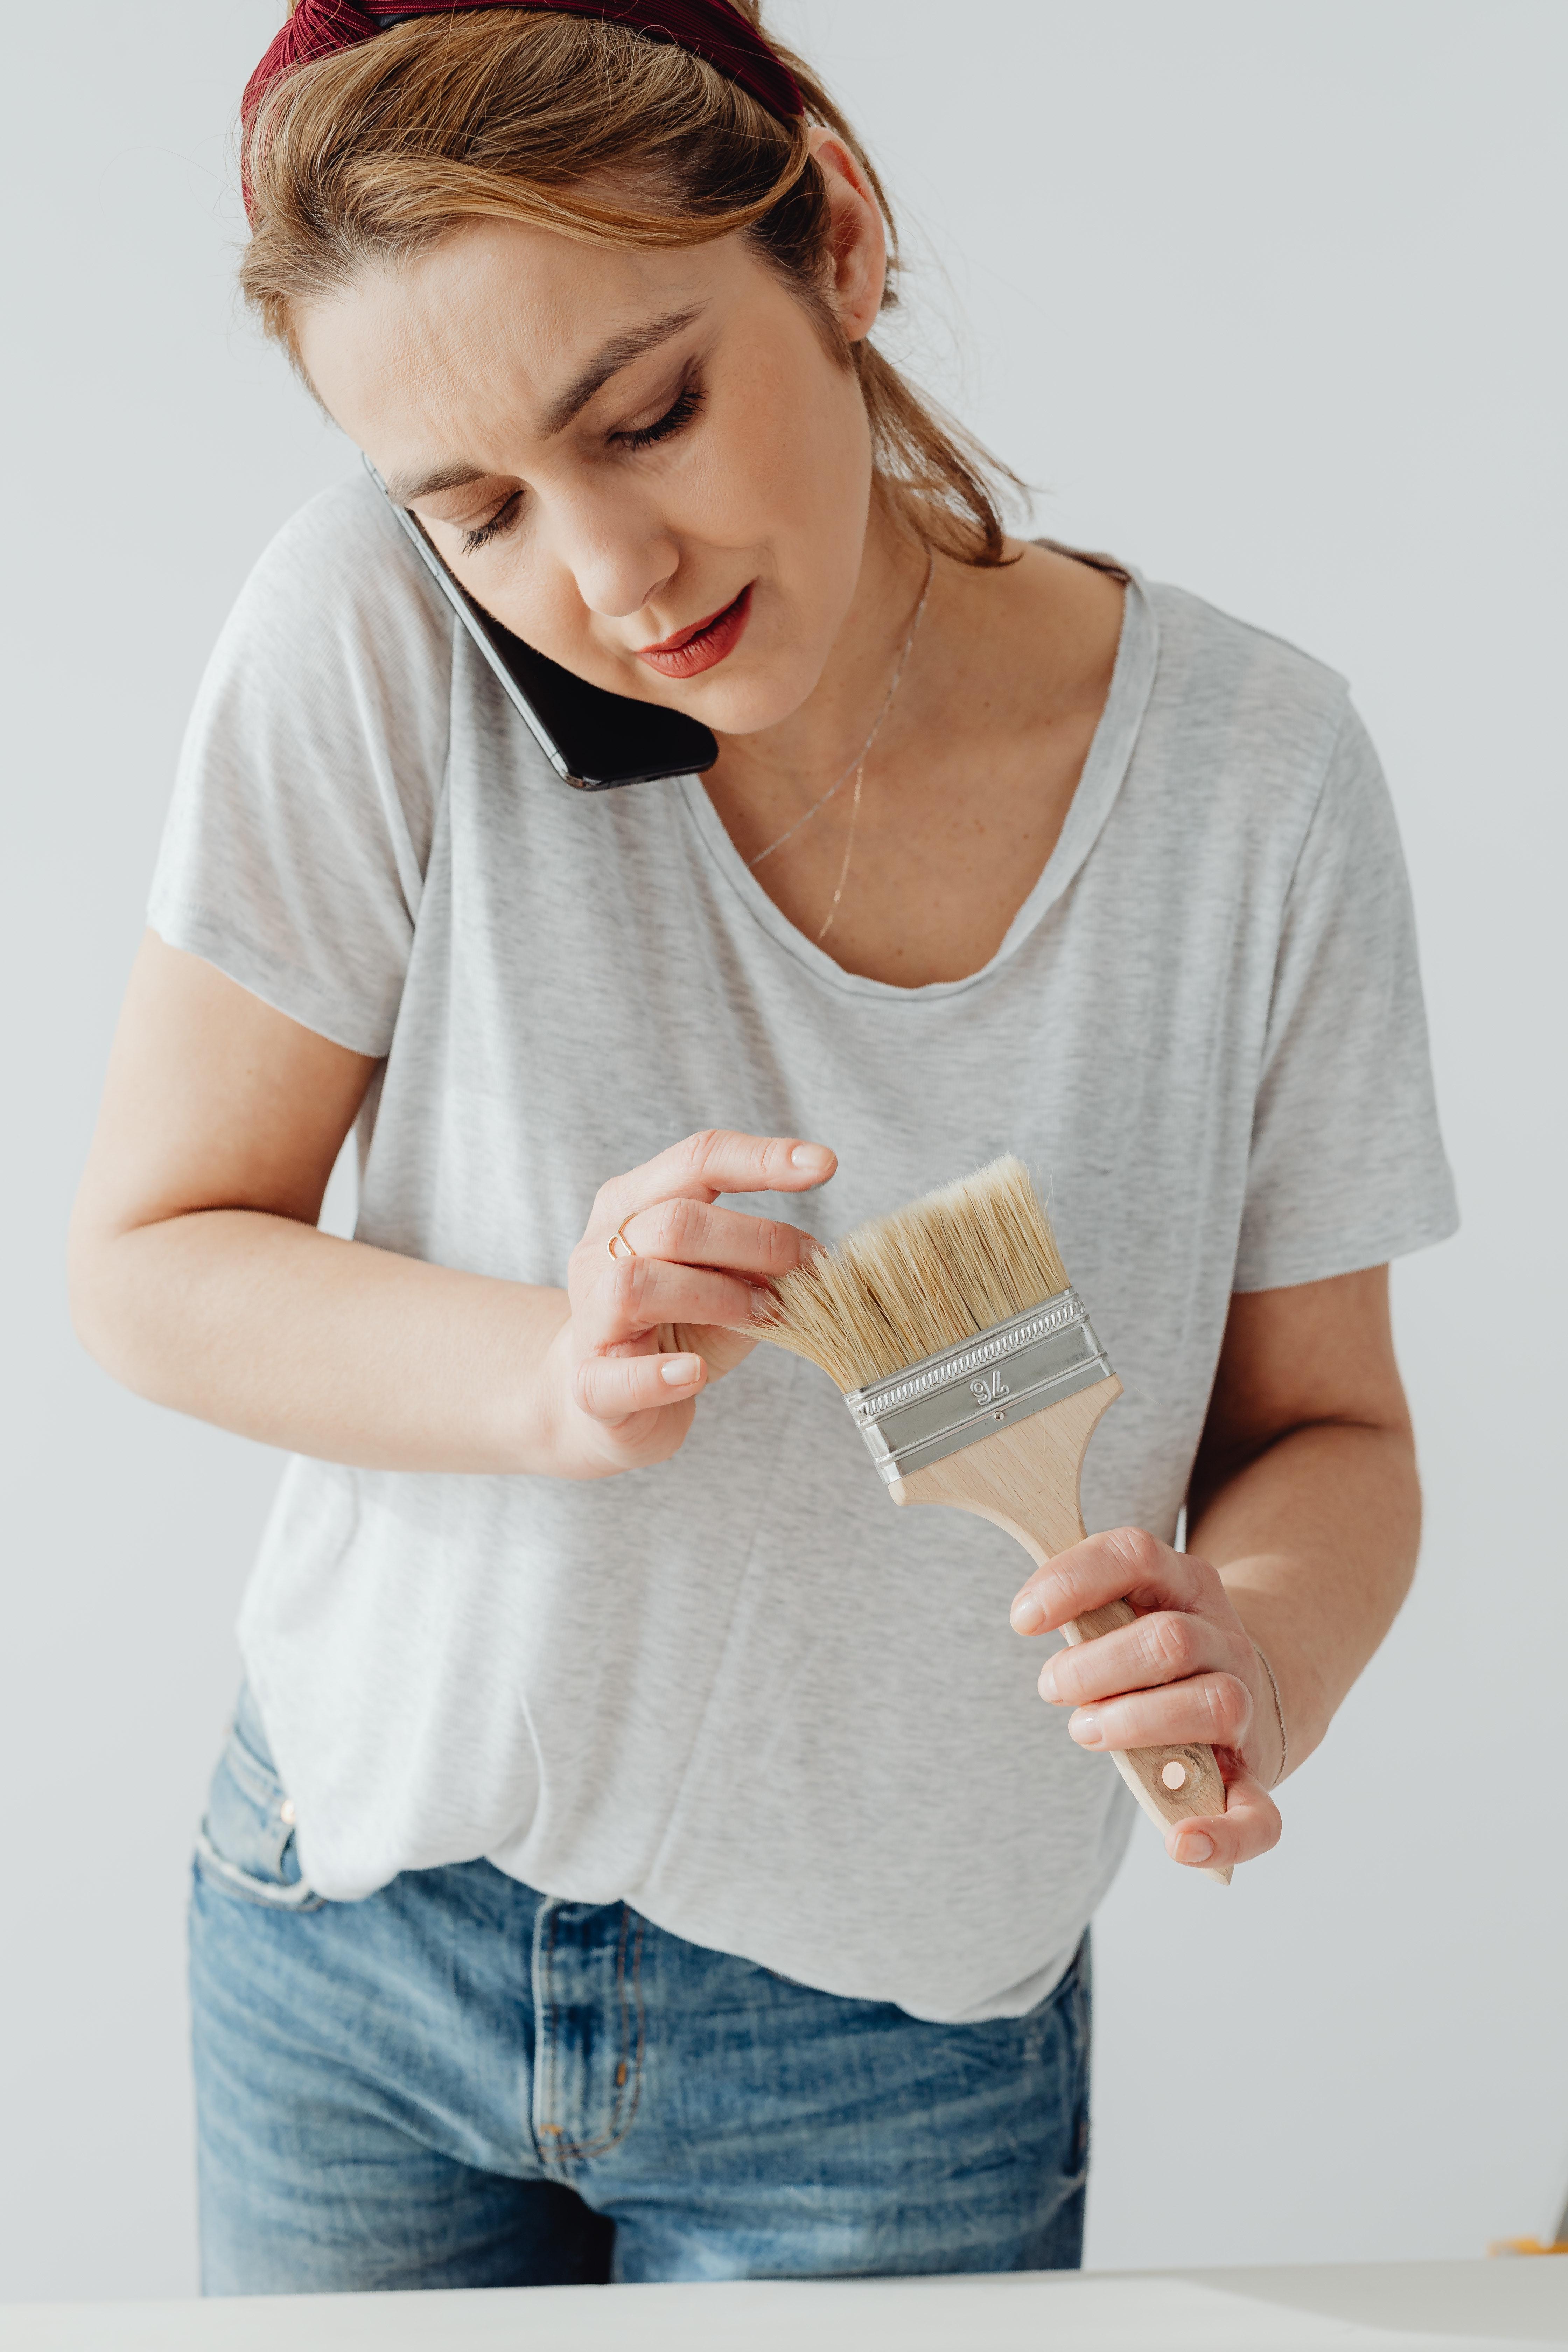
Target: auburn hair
(569, 123)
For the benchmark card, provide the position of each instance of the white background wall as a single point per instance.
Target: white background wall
(1267, 297)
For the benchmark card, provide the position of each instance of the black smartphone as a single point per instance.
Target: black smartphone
(593, 739)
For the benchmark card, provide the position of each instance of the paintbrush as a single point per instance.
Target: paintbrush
(970, 1369)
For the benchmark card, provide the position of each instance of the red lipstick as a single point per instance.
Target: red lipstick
(704, 645)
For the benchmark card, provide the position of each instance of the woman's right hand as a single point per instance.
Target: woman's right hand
(647, 1331)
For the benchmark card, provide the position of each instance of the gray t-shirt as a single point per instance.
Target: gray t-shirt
(743, 1691)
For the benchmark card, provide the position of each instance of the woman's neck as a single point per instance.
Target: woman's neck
(913, 871)
(779, 772)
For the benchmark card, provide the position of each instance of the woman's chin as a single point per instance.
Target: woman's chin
(756, 694)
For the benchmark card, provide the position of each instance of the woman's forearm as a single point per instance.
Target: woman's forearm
(1315, 1539)
(200, 1279)
(1303, 1514)
(280, 1332)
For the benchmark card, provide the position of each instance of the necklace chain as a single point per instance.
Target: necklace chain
(857, 767)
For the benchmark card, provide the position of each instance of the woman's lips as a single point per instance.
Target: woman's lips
(704, 645)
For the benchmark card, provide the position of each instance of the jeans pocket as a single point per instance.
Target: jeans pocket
(246, 1844)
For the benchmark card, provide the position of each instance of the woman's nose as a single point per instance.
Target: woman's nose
(619, 561)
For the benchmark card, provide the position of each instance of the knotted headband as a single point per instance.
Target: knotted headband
(710, 29)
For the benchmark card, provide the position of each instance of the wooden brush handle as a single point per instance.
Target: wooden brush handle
(1026, 1480)
(1149, 1771)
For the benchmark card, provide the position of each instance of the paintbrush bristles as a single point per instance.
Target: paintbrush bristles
(905, 1286)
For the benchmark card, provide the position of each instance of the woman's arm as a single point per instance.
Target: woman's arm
(1304, 1515)
(1304, 1495)
(198, 1276)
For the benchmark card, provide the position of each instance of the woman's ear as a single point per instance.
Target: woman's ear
(860, 237)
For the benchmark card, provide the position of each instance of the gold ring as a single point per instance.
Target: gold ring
(620, 1235)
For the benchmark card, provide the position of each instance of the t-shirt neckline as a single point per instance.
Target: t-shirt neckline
(1108, 758)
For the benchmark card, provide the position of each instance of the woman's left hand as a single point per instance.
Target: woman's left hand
(1187, 1672)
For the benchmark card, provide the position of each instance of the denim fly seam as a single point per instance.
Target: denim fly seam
(564, 2034)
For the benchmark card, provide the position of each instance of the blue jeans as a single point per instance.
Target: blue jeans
(461, 2082)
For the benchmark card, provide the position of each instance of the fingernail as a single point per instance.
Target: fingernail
(1028, 1614)
(811, 1156)
(1193, 1846)
(679, 1371)
(1085, 1729)
(1048, 1680)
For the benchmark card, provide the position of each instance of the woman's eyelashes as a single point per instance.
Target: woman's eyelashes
(683, 410)
(505, 515)
(687, 406)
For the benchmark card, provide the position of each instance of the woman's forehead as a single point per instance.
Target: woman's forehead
(548, 309)
(504, 311)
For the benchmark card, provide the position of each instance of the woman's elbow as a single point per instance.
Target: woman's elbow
(104, 1295)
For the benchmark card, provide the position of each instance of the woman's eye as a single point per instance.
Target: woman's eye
(502, 519)
(687, 403)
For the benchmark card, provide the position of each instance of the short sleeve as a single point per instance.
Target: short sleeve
(1347, 1167)
(297, 839)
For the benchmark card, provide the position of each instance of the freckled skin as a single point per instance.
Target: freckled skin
(457, 357)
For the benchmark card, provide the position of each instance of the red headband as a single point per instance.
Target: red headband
(710, 29)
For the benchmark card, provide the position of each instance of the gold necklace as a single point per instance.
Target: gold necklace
(857, 767)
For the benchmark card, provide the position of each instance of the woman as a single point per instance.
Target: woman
(640, 1852)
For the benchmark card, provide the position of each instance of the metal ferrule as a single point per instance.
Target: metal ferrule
(969, 1391)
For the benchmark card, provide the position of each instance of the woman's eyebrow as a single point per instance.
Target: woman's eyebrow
(403, 489)
(609, 361)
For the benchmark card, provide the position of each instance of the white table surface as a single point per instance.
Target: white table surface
(1363, 2307)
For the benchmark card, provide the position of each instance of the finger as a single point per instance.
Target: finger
(1249, 1825)
(613, 1387)
(1212, 1710)
(1165, 1646)
(1126, 1564)
(634, 1295)
(718, 1159)
(694, 1233)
